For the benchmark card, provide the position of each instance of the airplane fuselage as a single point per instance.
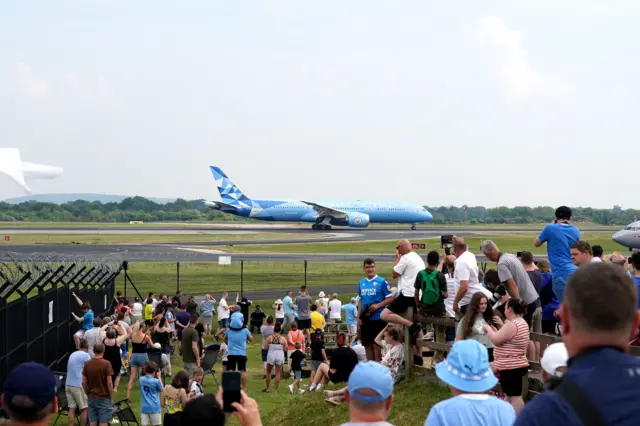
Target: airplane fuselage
(629, 236)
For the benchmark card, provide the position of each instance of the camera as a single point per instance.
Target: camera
(497, 294)
(446, 242)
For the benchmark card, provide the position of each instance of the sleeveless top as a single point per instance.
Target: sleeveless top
(296, 336)
(172, 404)
(276, 347)
(112, 354)
(138, 348)
(513, 353)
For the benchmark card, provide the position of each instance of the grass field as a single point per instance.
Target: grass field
(510, 243)
(412, 398)
(209, 277)
(96, 238)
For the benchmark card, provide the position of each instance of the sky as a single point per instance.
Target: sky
(494, 103)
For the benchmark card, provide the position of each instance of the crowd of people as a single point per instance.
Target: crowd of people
(576, 293)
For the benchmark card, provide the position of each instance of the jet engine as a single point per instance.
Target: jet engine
(358, 220)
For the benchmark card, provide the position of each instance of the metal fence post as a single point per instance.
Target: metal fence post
(242, 278)
(305, 273)
(177, 277)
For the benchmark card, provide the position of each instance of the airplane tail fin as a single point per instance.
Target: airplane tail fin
(11, 165)
(229, 192)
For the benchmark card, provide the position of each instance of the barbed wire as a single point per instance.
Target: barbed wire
(14, 267)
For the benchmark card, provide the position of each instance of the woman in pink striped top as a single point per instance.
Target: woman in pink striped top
(510, 351)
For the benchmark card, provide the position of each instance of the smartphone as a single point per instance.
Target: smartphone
(231, 386)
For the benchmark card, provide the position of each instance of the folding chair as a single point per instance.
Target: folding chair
(155, 355)
(63, 403)
(209, 361)
(124, 413)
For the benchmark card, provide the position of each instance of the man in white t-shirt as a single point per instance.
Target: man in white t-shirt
(335, 307)
(465, 275)
(223, 311)
(408, 266)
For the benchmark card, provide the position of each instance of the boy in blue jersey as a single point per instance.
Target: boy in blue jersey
(86, 320)
(559, 236)
(150, 390)
(374, 295)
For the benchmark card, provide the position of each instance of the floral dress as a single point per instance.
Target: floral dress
(393, 357)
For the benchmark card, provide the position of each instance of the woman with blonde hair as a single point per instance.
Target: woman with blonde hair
(206, 314)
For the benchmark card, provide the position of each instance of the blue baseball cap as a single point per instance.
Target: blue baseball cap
(372, 376)
(466, 368)
(34, 381)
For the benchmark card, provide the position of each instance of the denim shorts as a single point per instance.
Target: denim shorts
(297, 374)
(138, 360)
(100, 410)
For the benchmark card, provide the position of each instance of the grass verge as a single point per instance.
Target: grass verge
(97, 238)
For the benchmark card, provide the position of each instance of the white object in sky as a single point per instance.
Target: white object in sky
(12, 165)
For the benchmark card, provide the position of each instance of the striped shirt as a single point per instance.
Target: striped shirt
(510, 268)
(513, 353)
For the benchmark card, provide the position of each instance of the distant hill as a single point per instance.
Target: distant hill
(65, 198)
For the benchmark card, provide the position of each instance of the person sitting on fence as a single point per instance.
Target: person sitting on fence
(390, 340)
(86, 320)
(467, 372)
(407, 267)
(29, 395)
(510, 351)
(369, 395)
(599, 317)
(374, 295)
(430, 293)
(343, 361)
(479, 313)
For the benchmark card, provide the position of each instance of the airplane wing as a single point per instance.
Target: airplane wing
(11, 165)
(326, 211)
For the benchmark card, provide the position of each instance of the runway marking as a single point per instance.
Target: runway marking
(207, 251)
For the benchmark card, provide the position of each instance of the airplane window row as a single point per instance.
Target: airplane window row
(630, 228)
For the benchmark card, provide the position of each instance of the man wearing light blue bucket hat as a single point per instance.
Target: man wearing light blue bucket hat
(467, 372)
(369, 395)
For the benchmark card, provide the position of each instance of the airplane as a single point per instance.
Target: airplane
(629, 236)
(323, 214)
(12, 165)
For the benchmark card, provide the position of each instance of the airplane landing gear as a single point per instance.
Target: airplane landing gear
(413, 227)
(320, 227)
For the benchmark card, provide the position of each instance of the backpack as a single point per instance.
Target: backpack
(430, 287)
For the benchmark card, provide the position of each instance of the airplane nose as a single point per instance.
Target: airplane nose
(427, 215)
(617, 238)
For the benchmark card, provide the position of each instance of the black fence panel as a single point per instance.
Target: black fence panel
(36, 305)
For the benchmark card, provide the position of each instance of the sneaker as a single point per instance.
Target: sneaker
(334, 401)
(319, 386)
(291, 389)
(300, 392)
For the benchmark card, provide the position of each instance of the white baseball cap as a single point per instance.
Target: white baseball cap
(553, 358)
(321, 294)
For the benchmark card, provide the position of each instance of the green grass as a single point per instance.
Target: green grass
(511, 243)
(412, 398)
(97, 238)
(209, 277)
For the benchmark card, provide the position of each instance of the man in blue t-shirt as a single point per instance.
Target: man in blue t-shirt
(76, 396)
(374, 296)
(559, 236)
(599, 316)
(236, 338)
(150, 390)
(289, 311)
(351, 312)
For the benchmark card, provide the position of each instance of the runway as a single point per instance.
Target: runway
(156, 253)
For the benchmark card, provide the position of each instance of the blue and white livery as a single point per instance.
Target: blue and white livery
(322, 214)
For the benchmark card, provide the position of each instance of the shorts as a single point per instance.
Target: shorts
(264, 355)
(528, 315)
(100, 410)
(80, 333)
(279, 321)
(353, 329)
(315, 365)
(275, 358)
(206, 320)
(536, 321)
(370, 330)
(138, 360)
(550, 327)
(401, 303)
(223, 323)
(190, 368)
(297, 374)
(76, 397)
(236, 363)
(511, 381)
(154, 419)
(304, 324)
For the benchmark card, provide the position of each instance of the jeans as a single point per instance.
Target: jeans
(559, 282)
(100, 410)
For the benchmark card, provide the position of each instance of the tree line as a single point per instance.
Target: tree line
(142, 209)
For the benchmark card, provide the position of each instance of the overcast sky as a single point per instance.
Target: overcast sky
(462, 102)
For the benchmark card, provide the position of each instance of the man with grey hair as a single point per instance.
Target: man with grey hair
(515, 278)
